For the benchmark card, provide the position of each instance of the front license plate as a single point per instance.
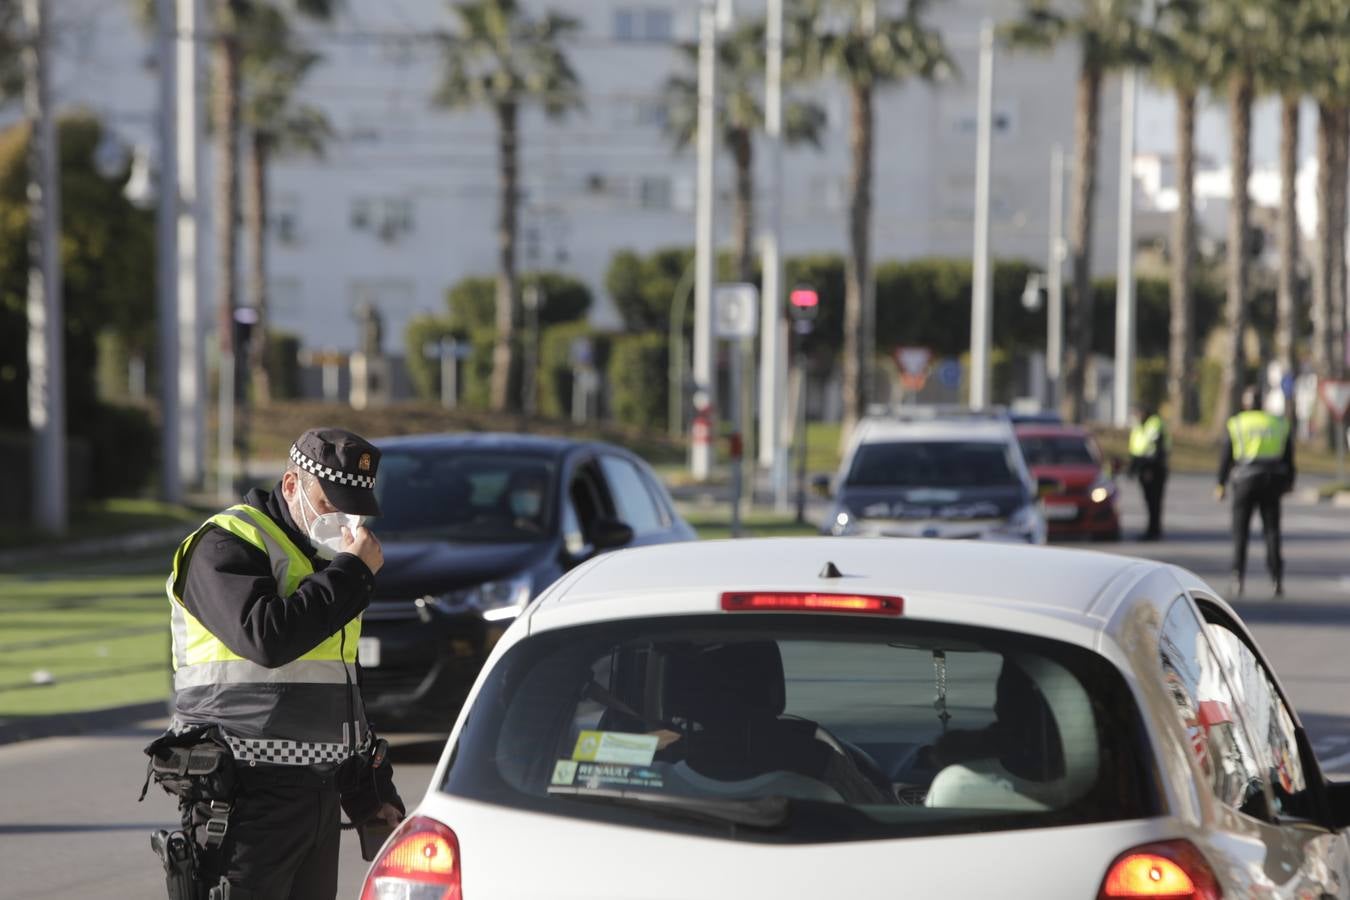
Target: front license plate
(1060, 512)
(368, 652)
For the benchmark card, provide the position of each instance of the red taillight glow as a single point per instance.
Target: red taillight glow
(420, 860)
(794, 601)
(1168, 870)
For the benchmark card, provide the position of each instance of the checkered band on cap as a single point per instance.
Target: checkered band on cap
(337, 476)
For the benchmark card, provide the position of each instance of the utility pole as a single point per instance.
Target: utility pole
(772, 453)
(46, 318)
(705, 372)
(190, 259)
(981, 305)
(1054, 313)
(225, 118)
(1125, 298)
(166, 256)
(868, 326)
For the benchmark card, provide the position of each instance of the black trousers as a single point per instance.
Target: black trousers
(1257, 492)
(283, 836)
(1153, 480)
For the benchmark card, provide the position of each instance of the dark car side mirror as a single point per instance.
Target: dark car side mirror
(610, 534)
(1338, 798)
(820, 484)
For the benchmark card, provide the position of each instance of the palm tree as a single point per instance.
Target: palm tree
(1245, 58)
(867, 50)
(1110, 36)
(740, 72)
(1182, 67)
(503, 59)
(274, 65)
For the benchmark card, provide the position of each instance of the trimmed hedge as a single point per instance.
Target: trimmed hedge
(639, 380)
(472, 301)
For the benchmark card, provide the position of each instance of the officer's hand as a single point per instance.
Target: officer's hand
(1220, 491)
(389, 815)
(363, 544)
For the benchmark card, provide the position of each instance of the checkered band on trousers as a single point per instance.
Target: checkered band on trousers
(334, 475)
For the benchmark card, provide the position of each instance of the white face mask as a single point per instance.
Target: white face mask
(325, 531)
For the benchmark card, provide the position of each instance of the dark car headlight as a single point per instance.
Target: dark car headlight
(494, 600)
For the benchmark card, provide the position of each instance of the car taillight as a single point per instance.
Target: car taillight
(1167, 870)
(420, 862)
(794, 601)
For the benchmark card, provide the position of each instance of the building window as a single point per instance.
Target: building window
(646, 24)
(286, 220)
(654, 192)
(362, 213)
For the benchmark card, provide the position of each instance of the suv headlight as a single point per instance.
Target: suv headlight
(843, 523)
(1023, 524)
(494, 600)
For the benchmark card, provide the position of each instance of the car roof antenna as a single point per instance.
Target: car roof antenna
(830, 571)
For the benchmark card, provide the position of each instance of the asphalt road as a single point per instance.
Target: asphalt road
(70, 825)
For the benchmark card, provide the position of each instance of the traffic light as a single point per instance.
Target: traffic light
(803, 304)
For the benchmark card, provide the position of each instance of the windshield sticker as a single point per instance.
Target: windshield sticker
(616, 747)
(595, 776)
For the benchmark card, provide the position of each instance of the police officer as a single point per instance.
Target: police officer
(266, 600)
(1149, 446)
(1258, 457)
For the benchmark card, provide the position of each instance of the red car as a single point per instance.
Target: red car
(1078, 488)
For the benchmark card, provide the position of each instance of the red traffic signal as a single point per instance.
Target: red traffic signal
(804, 298)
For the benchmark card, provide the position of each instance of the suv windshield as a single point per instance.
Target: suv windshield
(933, 464)
(804, 729)
(1066, 450)
(455, 495)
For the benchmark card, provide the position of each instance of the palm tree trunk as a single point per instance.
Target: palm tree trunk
(1240, 124)
(1286, 301)
(1340, 159)
(743, 213)
(255, 226)
(1086, 125)
(1180, 380)
(1321, 286)
(856, 266)
(503, 351)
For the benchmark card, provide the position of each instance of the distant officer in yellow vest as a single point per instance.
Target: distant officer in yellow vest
(1257, 457)
(1149, 447)
(266, 602)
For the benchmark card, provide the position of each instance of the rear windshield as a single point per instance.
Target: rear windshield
(459, 495)
(1058, 451)
(933, 464)
(785, 728)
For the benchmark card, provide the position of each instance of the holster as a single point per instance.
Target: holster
(175, 850)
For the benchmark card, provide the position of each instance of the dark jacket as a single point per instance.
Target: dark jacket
(230, 589)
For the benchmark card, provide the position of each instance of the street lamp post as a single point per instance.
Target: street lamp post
(705, 372)
(981, 301)
(1054, 283)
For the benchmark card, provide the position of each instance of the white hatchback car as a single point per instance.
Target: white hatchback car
(861, 718)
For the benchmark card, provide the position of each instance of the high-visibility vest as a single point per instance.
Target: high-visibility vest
(1257, 436)
(1148, 436)
(306, 711)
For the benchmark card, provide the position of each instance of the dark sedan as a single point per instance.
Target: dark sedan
(473, 527)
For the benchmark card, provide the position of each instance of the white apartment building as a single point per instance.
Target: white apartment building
(404, 203)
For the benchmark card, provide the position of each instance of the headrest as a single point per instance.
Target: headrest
(726, 683)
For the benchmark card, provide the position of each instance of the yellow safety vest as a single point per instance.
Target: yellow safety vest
(1257, 436)
(1147, 436)
(306, 711)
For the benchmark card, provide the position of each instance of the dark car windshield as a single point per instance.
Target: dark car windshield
(465, 495)
(933, 464)
(1057, 450)
(799, 728)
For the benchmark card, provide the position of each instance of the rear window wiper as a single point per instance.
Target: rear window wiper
(760, 812)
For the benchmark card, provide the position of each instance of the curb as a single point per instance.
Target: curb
(27, 728)
(144, 540)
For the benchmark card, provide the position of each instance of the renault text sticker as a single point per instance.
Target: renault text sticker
(615, 747)
(603, 775)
